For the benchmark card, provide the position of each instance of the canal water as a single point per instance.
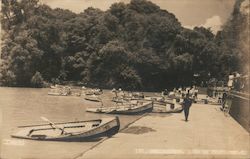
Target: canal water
(24, 106)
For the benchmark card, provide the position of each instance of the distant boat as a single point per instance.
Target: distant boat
(154, 98)
(57, 93)
(70, 131)
(53, 87)
(137, 95)
(60, 91)
(121, 99)
(56, 86)
(93, 98)
(128, 108)
(128, 96)
(92, 92)
(168, 108)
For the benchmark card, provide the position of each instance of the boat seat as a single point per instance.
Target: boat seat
(95, 125)
(77, 126)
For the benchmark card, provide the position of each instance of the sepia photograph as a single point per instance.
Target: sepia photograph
(124, 79)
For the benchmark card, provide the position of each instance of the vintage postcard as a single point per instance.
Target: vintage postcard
(119, 79)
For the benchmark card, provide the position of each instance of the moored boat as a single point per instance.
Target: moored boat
(93, 98)
(122, 97)
(64, 91)
(167, 108)
(129, 108)
(92, 92)
(120, 100)
(154, 98)
(70, 131)
(57, 93)
(56, 86)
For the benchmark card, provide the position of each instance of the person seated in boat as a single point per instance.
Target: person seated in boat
(83, 87)
(99, 90)
(165, 92)
(171, 95)
(184, 91)
(174, 90)
(179, 89)
(178, 93)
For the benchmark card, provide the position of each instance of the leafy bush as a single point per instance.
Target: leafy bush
(7, 78)
(37, 80)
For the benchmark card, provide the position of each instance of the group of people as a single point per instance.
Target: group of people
(238, 82)
(187, 96)
(181, 92)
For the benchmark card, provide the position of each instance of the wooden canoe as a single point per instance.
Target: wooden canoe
(57, 94)
(70, 131)
(92, 92)
(128, 108)
(154, 98)
(168, 108)
(120, 100)
(60, 91)
(93, 98)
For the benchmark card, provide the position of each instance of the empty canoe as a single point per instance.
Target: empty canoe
(168, 108)
(125, 108)
(93, 98)
(70, 131)
(60, 91)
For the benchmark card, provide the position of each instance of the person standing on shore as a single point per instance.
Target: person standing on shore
(187, 102)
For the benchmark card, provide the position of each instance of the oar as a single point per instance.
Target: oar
(52, 124)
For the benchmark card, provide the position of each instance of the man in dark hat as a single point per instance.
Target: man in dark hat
(187, 102)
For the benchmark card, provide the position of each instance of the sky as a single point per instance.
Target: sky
(207, 13)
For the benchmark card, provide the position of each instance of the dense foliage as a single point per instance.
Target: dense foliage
(233, 40)
(135, 45)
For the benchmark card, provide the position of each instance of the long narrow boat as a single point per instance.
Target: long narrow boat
(92, 92)
(120, 100)
(70, 131)
(167, 108)
(154, 98)
(65, 91)
(57, 93)
(128, 108)
(93, 98)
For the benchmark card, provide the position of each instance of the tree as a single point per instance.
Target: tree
(22, 57)
(134, 45)
(37, 80)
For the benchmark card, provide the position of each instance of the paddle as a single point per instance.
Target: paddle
(53, 125)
